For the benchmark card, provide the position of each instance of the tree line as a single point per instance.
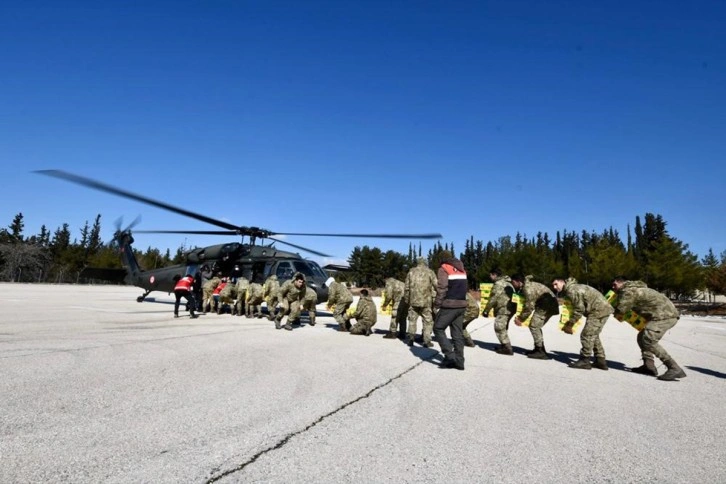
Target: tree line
(649, 254)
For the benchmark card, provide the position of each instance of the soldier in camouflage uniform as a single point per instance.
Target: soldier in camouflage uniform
(271, 294)
(540, 300)
(242, 285)
(394, 298)
(309, 302)
(500, 301)
(419, 292)
(226, 297)
(590, 303)
(291, 294)
(253, 300)
(365, 315)
(471, 313)
(340, 297)
(661, 315)
(207, 290)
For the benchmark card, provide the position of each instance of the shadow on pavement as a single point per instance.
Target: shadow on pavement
(708, 372)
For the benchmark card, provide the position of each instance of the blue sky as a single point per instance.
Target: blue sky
(465, 118)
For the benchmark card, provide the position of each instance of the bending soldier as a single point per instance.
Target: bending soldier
(419, 292)
(271, 294)
(590, 303)
(365, 315)
(661, 315)
(471, 313)
(208, 291)
(394, 298)
(310, 301)
(253, 301)
(501, 302)
(541, 303)
(292, 294)
(340, 297)
(239, 306)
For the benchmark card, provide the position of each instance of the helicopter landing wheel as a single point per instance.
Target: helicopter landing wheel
(140, 298)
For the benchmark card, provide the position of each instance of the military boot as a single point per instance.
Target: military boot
(539, 353)
(469, 342)
(389, 335)
(288, 327)
(505, 349)
(278, 324)
(600, 363)
(582, 364)
(427, 344)
(673, 373)
(409, 340)
(647, 368)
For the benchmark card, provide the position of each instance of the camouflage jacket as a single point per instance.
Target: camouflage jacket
(211, 284)
(420, 287)
(649, 303)
(472, 308)
(500, 297)
(338, 293)
(228, 292)
(586, 301)
(271, 287)
(311, 298)
(366, 310)
(242, 285)
(537, 296)
(289, 292)
(254, 293)
(393, 291)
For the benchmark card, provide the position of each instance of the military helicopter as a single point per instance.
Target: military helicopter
(251, 260)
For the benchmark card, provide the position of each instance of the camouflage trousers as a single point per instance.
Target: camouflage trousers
(362, 327)
(539, 319)
(291, 310)
(310, 308)
(272, 302)
(427, 320)
(590, 337)
(207, 299)
(253, 308)
(501, 325)
(339, 314)
(650, 336)
(399, 312)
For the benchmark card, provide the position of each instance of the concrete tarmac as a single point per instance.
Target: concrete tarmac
(96, 387)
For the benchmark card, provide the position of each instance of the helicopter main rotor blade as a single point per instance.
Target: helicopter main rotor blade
(378, 236)
(299, 247)
(96, 185)
(190, 232)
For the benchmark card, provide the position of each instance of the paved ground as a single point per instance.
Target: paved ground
(98, 388)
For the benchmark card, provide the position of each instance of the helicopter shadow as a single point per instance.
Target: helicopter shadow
(707, 371)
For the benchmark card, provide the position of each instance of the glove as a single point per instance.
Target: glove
(569, 327)
(517, 321)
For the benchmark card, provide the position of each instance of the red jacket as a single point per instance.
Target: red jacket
(184, 284)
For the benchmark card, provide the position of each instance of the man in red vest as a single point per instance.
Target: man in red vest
(183, 289)
(450, 306)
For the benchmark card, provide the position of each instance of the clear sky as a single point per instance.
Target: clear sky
(468, 118)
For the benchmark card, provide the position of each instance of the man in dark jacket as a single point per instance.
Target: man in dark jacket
(450, 306)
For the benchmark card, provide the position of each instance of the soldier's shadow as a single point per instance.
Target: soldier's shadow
(707, 371)
(427, 355)
(564, 357)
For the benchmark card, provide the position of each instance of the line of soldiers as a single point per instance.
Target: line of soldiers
(413, 298)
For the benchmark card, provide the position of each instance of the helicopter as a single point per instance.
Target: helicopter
(252, 260)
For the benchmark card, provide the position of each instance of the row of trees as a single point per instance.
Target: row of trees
(650, 254)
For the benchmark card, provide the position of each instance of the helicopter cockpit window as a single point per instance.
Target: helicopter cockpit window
(309, 269)
(284, 271)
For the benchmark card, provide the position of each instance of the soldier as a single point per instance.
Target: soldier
(216, 307)
(500, 301)
(309, 302)
(207, 291)
(291, 294)
(539, 299)
(183, 289)
(394, 298)
(450, 306)
(365, 315)
(661, 315)
(419, 291)
(471, 313)
(271, 294)
(590, 303)
(340, 297)
(226, 297)
(253, 300)
(242, 285)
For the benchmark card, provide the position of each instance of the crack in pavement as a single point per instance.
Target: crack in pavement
(289, 436)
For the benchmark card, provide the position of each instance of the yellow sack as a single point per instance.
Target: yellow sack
(351, 310)
(518, 299)
(565, 312)
(631, 317)
(384, 309)
(485, 289)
